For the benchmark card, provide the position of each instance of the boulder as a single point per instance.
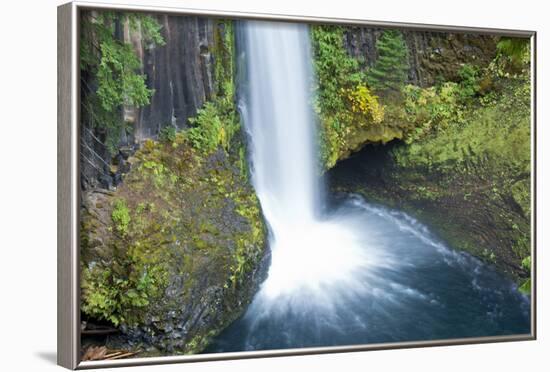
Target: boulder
(176, 253)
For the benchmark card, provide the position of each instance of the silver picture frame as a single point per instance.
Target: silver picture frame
(68, 281)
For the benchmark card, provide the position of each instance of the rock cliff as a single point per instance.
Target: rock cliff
(180, 72)
(433, 56)
(182, 76)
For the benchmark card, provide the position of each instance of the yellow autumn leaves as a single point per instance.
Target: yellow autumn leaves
(364, 104)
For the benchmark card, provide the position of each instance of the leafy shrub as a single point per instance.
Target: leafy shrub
(121, 216)
(111, 70)
(112, 295)
(167, 134)
(469, 82)
(335, 69)
(217, 121)
(210, 129)
(364, 104)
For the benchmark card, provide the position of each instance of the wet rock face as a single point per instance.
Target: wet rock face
(176, 252)
(180, 72)
(182, 75)
(433, 56)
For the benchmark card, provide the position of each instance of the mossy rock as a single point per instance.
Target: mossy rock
(176, 252)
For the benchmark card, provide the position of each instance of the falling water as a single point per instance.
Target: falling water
(281, 124)
(357, 273)
(278, 117)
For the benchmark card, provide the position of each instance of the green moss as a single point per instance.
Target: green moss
(158, 172)
(198, 343)
(525, 287)
(495, 132)
(467, 174)
(521, 192)
(224, 51)
(514, 54)
(247, 244)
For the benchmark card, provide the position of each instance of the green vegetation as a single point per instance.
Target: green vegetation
(213, 127)
(453, 130)
(217, 121)
(121, 216)
(476, 156)
(186, 220)
(352, 116)
(473, 144)
(115, 297)
(464, 144)
(430, 109)
(469, 82)
(389, 73)
(364, 105)
(335, 69)
(514, 52)
(525, 287)
(342, 86)
(455, 135)
(167, 134)
(117, 292)
(110, 69)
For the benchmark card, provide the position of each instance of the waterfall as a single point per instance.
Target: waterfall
(307, 252)
(280, 121)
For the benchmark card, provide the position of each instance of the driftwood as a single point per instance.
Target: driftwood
(120, 356)
(95, 353)
(102, 353)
